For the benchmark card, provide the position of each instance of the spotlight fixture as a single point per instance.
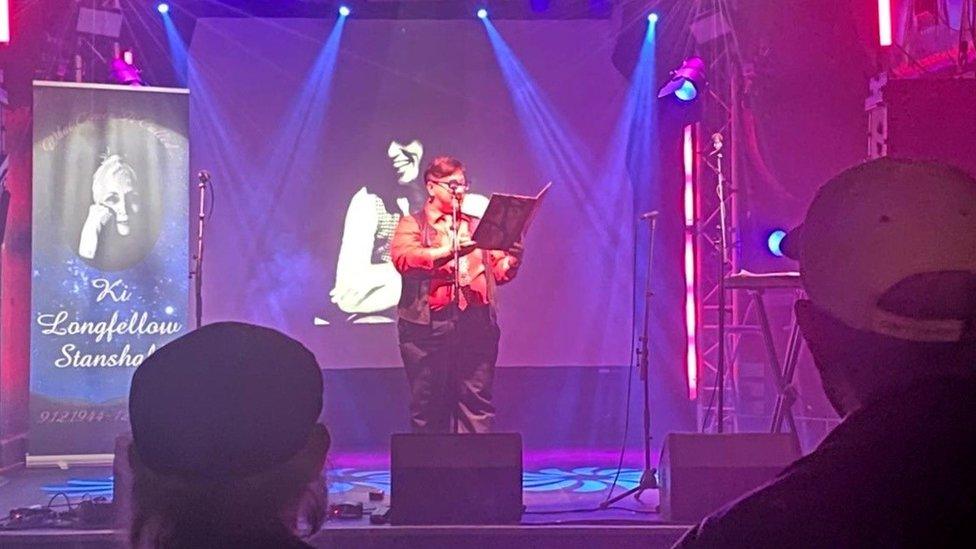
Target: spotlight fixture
(124, 70)
(344, 11)
(774, 242)
(652, 18)
(162, 8)
(687, 82)
(482, 13)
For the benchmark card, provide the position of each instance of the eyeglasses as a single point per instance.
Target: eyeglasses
(450, 185)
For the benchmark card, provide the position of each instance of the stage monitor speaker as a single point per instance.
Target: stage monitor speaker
(456, 479)
(701, 472)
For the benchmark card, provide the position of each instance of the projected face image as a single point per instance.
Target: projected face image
(113, 199)
(367, 286)
(406, 159)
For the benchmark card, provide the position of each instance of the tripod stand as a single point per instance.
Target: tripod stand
(648, 479)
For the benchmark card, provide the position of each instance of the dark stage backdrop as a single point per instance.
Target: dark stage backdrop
(315, 152)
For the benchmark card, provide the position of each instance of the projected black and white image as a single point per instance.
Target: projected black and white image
(367, 286)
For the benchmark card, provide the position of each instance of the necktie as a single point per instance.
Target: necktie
(464, 277)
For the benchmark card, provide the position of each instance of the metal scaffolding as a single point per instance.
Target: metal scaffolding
(716, 228)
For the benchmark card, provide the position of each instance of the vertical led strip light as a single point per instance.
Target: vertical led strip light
(691, 305)
(884, 22)
(4, 22)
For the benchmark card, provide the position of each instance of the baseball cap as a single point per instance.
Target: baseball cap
(889, 247)
(225, 401)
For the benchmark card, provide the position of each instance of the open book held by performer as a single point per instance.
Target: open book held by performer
(507, 219)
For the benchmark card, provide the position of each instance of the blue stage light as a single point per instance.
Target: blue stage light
(652, 18)
(482, 13)
(344, 11)
(687, 82)
(162, 8)
(774, 241)
(687, 91)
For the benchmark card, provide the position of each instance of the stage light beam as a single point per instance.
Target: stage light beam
(482, 13)
(652, 18)
(344, 11)
(178, 53)
(162, 8)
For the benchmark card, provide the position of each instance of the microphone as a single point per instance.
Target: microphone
(203, 176)
(717, 143)
(454, 186)
(648, 215)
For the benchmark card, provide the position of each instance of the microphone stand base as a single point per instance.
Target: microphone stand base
(648, 481)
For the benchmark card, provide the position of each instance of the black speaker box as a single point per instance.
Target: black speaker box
(456, 479)
(701, 472)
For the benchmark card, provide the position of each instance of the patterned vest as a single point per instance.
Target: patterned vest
(414, 305)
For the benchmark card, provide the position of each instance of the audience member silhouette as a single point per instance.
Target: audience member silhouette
(887, 255)
(227, 450)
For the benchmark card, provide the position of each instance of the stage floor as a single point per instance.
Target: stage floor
(561, 489)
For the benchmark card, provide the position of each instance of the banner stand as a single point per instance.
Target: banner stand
(110, 257)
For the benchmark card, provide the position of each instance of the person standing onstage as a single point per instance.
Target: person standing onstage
(448, 340)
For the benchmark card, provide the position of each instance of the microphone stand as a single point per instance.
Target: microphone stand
(455, 244)
(197, 272)
(724, 244)
(456, 228)
(648, 479)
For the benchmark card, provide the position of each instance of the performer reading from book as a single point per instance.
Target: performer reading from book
(448, 336)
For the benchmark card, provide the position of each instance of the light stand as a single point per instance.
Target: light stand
(724, 244)
(648, 480)
(197, 272)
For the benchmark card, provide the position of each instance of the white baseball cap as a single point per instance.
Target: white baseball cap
(889, 247)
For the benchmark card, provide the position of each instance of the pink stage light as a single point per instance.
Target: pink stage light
(884, 22)
(691, 305)
(4, 22)
(128, 57)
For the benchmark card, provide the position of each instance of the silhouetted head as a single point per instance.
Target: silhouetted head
(887, 255)
(226, 439)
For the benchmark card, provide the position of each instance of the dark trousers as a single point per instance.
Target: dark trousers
(450, 366)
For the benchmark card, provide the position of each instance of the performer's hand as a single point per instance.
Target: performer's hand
(517, 250)
(446, 250)
(466, 245)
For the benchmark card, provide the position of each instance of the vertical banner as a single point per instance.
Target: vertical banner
(110, 255)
